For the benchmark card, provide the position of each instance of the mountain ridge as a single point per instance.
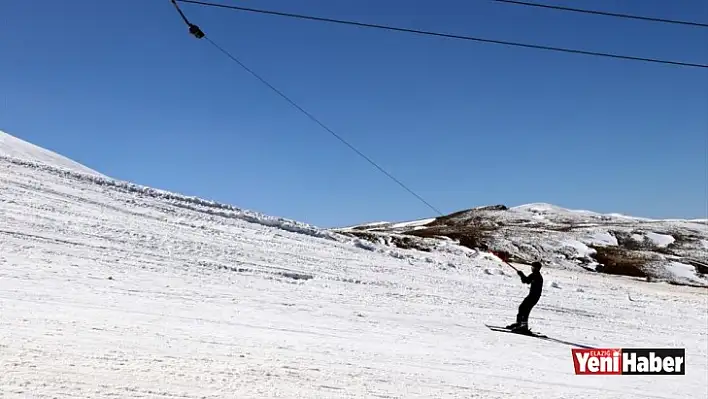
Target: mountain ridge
(670, 250)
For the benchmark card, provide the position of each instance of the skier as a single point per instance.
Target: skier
(536, 281)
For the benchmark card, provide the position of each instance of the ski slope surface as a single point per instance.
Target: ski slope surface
(109, 289)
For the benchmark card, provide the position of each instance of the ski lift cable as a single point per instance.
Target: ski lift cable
(445, 35)
(604, 13)
(199, 34)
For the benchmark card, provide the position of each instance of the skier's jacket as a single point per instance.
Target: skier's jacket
(536, 281)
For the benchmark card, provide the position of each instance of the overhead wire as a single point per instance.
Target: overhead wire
(199, 34)
(604, 13)
(445, 35)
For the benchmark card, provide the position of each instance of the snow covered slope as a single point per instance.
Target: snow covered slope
(660, 250)
(13, 147)
(109, 289)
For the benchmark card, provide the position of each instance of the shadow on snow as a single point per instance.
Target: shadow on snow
(539, 336)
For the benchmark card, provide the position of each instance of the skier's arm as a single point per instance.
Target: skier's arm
(524, 279)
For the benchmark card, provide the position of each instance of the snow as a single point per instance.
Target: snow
(555, 211)
(637, 237)
(11, 146)
(372, 224)
(601, 238)
(656, 239)
(110, 289)
(376, 223)
(375, 226)
(583, 250)
(540, 208)
(660, 240)
(413, 223)
(683, 271)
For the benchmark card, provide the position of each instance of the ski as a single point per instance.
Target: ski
(538, 335)
(504, 329)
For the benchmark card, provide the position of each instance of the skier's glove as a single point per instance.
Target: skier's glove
(501, 255)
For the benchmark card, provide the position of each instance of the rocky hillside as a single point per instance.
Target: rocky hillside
(675, 251)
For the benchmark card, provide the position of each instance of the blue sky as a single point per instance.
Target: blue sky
(121, 87)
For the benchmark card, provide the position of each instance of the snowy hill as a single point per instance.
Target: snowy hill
(674, 250)
(110, 289)
(11, 146)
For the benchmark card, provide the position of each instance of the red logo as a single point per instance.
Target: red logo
(597, 361)
(626, 361)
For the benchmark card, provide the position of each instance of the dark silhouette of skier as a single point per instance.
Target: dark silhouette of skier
(536, 281)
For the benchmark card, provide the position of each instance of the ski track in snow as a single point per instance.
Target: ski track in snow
(108, 291)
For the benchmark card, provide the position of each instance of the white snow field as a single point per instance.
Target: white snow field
(108, 289)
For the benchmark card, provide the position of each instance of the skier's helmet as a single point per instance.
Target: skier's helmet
(536, 264)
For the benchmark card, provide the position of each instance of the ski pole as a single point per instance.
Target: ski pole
(511, 266)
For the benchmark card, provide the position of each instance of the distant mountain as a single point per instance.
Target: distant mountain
(672, 250)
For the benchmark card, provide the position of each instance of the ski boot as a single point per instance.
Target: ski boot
(521, 328)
